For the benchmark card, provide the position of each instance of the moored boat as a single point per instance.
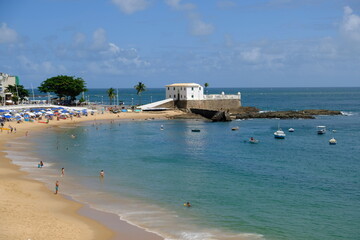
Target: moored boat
(195, 130)
(279, 134)
(235, 128)
(291, 130)
(321, 130)
(332, 141)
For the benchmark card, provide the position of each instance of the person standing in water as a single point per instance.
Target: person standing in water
(57, 187)
(102, 174)
(62, 172)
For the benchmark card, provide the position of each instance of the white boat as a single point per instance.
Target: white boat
(279, 134)
(321, 130)
(291, 130)
(332, 141)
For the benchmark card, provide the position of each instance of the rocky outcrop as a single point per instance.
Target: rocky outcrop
(215, 116)
(305, 114)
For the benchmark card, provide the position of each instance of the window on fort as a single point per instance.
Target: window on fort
(200, 88)
(174, 96)
(174, 88)
(168, 88)
(192, 96)
(192, 88)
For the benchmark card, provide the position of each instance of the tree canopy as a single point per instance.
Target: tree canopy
(111, 94)
(140, 87)
(18, 91)
(63, 86)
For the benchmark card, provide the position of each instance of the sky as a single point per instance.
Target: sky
(225, 43)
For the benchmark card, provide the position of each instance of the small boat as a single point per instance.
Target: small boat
(332, 141)
(161, 127)
(291, 130)
(279, 134)
(321, 130)
(195, 130)
(253, 140)
(234, 128)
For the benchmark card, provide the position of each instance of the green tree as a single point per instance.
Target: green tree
(63, 86)
(111, 94)
(140, 87)
(206, 85)
(18, 91)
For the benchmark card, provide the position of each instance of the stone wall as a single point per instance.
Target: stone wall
(167, 105)
(223, 104)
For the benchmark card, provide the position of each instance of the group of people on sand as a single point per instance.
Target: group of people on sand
(9, 129)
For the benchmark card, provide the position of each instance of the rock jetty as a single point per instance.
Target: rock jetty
(250, 112)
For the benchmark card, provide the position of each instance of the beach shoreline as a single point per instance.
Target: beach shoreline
(31, 211)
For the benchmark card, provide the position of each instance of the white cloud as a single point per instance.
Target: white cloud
(7, 35)
(79, 39)
(131, 6)
(197, 26)
(226, 4)
(175, 4)
(99, 38)
(200, 28)
(44, 67)
(350, 26)
(252, 55)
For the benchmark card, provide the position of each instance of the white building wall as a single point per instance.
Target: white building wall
(183, 92)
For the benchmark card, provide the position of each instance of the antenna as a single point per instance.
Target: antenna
(32, 88)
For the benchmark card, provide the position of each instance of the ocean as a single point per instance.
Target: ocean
(292, 189)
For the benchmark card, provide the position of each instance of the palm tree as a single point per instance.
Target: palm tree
(140, 87)
(206, 85)
(111, 94)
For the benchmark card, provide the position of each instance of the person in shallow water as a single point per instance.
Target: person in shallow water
(187, 204)
(57, 187)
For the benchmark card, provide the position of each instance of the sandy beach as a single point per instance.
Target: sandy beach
(29, 210)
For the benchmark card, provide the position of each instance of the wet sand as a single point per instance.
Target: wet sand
(29, 210)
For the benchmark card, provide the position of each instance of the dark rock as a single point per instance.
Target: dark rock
(305, 114)
(215, 116)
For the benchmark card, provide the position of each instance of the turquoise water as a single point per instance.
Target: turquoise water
(296, 188)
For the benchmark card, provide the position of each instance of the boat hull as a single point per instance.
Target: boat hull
(279, 137)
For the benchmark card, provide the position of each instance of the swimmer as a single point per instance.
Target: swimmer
(187, 204)
(102, 174)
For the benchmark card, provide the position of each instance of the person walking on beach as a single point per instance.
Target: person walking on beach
(57, 187)
(41, 164)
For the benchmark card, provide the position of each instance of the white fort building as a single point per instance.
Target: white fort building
(194, 91)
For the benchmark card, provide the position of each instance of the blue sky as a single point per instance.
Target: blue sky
(226, 43)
